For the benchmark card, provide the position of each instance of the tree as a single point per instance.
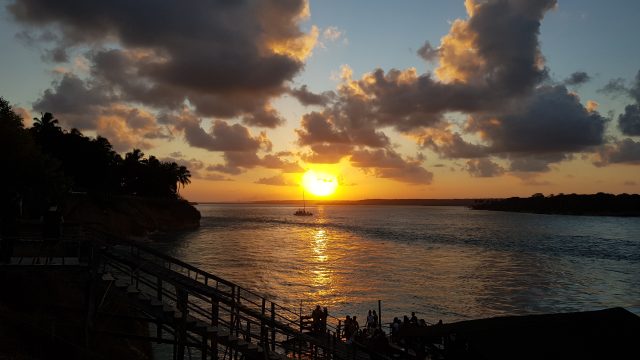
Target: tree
(27, 172)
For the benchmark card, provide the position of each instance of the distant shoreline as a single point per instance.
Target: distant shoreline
(396, 202)
(600, 204)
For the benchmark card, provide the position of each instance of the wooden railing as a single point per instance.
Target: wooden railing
(215, 315)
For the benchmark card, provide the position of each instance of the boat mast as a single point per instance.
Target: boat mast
(304, 203)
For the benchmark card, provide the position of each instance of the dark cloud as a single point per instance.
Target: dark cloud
(451, 145)
(228, 58)
(552, 120)
(428, 52)
(483, 168)
(498, 81)
(327, 153)
(319, 128)
(614, 87)
(385, 163)
(237, 162)
(74, 102)
(221, 137)
(276, 162)
(577, 78)
(629, 121)
(535, 163)
(625, 151)
(307, 98)
(266, 117)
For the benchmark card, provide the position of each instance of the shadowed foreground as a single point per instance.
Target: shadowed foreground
(604, 334)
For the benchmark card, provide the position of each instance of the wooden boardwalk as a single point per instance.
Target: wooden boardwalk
(195, 311)
(215, 317)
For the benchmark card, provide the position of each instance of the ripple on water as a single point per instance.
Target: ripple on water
(445, 263)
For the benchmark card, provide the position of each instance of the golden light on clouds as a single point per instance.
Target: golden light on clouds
(319, 183)
(298, 48)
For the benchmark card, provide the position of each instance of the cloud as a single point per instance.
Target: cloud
(626, 151)
(614, 87)
(552, 120)
(306, 97)
(490, 67)
(428, 52)
(327, 153)
(215, 177)
(270, 161)
(629, 121)
(483, 168)
(385, 163)
(161, 52)
(222, 136)
(577, 78)
(74, 102)
(277, 180)
(265, 117)
(333, 33)
(449, 144)
(128, 128)
(237, 162)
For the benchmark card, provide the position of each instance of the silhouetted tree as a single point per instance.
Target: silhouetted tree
(28, 174)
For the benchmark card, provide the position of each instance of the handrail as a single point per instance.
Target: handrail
(239, 310)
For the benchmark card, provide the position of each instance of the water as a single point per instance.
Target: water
(448, 263)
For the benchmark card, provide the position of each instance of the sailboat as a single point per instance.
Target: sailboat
(303, 211)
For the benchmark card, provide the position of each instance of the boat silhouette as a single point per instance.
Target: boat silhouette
(303, 211)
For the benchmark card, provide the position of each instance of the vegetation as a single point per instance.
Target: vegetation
(45, 162)
(572, 204)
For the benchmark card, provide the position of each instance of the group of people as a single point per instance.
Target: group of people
(351, 327)
(372, 330)
(319, 319)
(406, 323)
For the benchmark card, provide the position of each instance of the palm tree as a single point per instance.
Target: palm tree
(46, 123)
(183, 175)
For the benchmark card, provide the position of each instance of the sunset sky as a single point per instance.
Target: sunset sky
(397, 99)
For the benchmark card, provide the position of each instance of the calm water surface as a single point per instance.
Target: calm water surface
(447, 263)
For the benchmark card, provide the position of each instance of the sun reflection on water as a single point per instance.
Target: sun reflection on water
(320, 245)
(321, 273)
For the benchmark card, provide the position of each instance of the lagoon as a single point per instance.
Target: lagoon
(448, 263)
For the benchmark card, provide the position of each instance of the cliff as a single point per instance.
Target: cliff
(130, 216)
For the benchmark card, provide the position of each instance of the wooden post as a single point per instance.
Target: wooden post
(238, 325)
(204, 346)
(379, 314)
(159, 297)
(181, 298)
(215, 315)
(232, 310)
(263, 328)
(273, 326)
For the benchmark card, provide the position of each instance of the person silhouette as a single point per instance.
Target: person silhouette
(323, 320)
(316, 317)
(414, 319)
(375, 319)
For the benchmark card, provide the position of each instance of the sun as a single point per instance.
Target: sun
(319, 184)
